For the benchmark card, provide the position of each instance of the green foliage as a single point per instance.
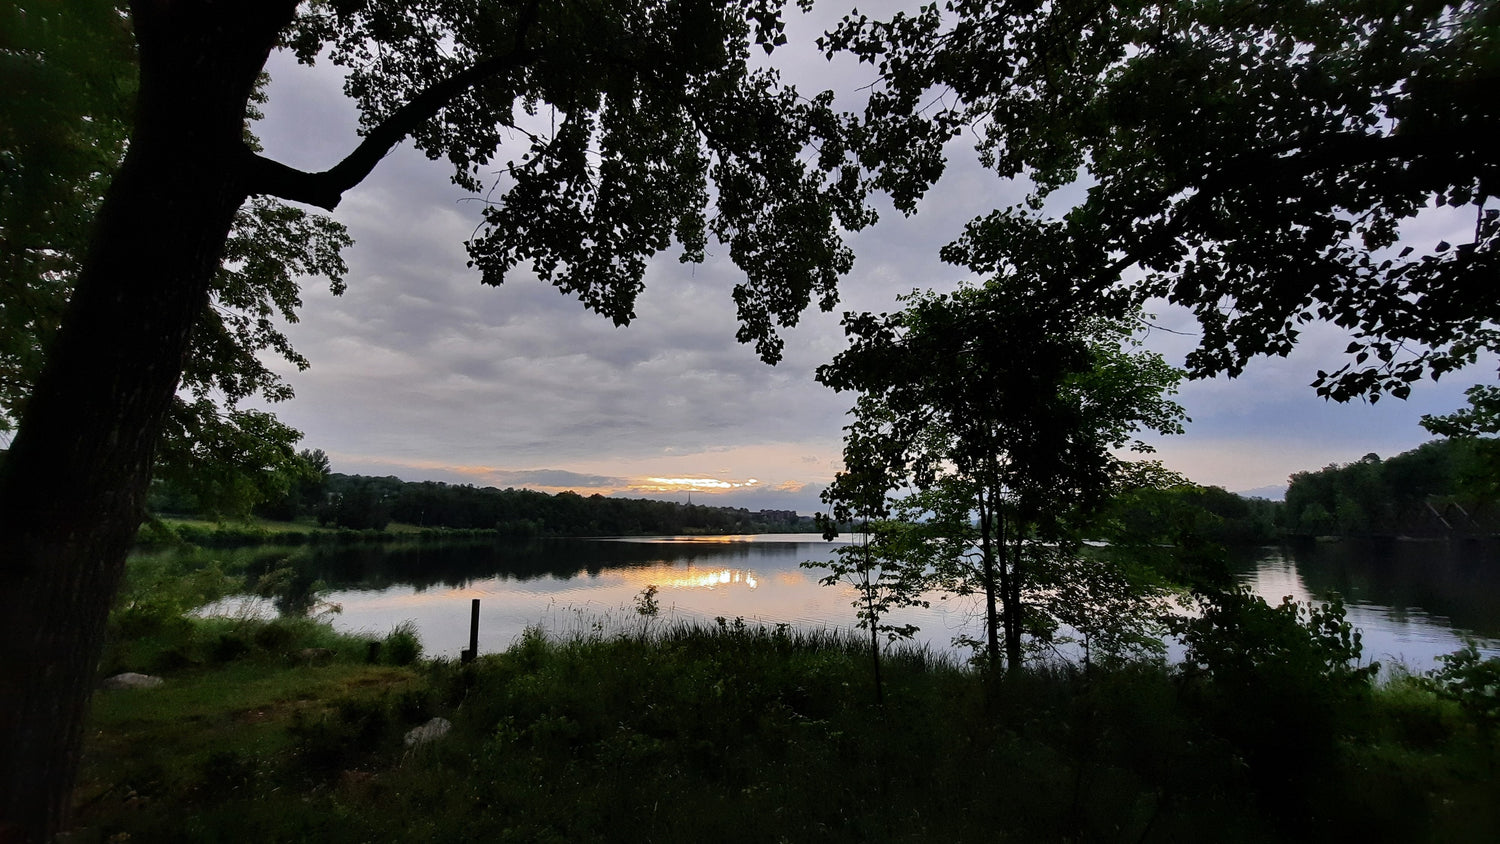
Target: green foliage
(306, 486)
(72, 72)
(1004, 402)
(1472, 681)
(361, 505)
(646, 604)
(1239, 640)
(655, 112)
(1480, 418)
(402, 646)
(1177, 512)
(1283, 685)
(158, 591)
(743, 734)
(69, 73)
(1434, 489)
(1255, 163)
(359, 502)
(1111, 604)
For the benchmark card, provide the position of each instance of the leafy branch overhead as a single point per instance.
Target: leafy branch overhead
(1264, 165)
(646, 124)
(64, 135)
(643, 124)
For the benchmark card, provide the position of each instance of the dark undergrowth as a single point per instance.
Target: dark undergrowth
(735, 733)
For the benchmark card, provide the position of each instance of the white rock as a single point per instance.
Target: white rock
(132, 680)
(430, 731)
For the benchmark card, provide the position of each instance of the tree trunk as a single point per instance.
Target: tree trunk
(1013, 610)
(875, 653)
(1010, 593)
(991, 585)
(75, 479)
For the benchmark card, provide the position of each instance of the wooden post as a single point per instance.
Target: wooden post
(473, 650)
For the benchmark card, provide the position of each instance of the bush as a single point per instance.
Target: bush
(402, 645)
(1282, 685)
(275, 636)
(1473, 682)
(355, 729)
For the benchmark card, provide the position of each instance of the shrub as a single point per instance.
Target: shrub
(1473, 682)
(1282, 685)
(330, 741)
(402, 645)
(275, 636)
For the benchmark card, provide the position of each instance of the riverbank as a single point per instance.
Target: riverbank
(205, 533)
(168, 532)
(282, 731)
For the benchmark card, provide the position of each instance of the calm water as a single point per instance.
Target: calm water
(1412, 600)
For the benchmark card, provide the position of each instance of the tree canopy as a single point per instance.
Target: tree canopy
(73, 72)
(645, 122)
(1000, 407)
(1264, 165)
(1442, 488)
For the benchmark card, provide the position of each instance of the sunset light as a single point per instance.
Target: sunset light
(711, 579)
(690, 484)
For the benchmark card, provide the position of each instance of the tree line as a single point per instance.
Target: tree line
(1440, 488)
(361, 502)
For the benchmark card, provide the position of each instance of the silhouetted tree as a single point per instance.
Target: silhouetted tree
(1005, 399)
(654, 108)
(1256, 163)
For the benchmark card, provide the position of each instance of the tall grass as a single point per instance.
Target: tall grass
(680, 731)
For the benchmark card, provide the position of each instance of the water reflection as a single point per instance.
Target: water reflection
(1412, 600)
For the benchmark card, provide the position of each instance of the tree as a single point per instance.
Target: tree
(1162, 510)
(1253, 162)
(1006, 404)
(1409, 493)
(1477, 426)
(73, 74)
(305, 488)
(656, 110)
(878, 564)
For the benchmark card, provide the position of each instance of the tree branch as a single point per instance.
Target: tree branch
(1423, 155)
(326, 189)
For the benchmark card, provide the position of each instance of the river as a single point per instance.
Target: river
(1413, 601)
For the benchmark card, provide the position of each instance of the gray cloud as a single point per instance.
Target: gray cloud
(557, 478)
(421, 369)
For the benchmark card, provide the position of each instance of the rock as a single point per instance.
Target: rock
(430, 731)
(132, 680)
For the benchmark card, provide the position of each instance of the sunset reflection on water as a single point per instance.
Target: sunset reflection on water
(593, 586)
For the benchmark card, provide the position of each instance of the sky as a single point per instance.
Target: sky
(422, 372)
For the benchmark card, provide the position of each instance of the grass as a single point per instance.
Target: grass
(206, 533)
(256, 522)
(736, 733)
(284, 730)
(242, 708)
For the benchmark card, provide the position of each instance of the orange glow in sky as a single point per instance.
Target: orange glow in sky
(689, 484)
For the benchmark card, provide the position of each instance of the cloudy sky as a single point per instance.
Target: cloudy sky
(420, 371)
